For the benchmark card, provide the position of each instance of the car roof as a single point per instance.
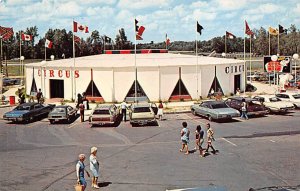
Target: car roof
(212, 102)
(241, 98)
(29, 104)
(104, 106)
(61, 106)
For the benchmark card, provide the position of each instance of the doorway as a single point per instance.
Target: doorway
(56, 88)
(237, 82)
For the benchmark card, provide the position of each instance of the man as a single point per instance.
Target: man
(210, 138)
(39, 95)
(185, 138)
(81, 109)
(123, 107)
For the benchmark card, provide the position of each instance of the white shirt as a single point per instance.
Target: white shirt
(123, 105)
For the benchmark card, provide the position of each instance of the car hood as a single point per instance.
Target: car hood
(15, 113)
(279, 104)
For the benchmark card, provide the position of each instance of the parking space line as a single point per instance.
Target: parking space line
(198, 120)
(229, 142)
(273, 141)
(72, 125)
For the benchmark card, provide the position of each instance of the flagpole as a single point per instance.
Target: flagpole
(45, 51)
(278, 49)
(20, 52)
(225, 43)
(250, 60)
(135, 68)
(1, 37)
(269, 43)
(104, 43)
(197, 59)
(245, 69)
(72, 76)
(166, 41)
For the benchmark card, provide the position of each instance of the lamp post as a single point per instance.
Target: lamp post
(274, 59)
(296, 57)
(22, 58)
(223, 54)
(52, 57)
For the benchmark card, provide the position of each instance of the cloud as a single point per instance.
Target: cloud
(101, 11)
(229, 4)
(268, 8)
(199, 4)
(141, 4)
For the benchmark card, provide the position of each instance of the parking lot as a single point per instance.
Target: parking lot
(257, 153)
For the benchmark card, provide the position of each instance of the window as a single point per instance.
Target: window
(141, 109)
(101, 112)
(296, 96)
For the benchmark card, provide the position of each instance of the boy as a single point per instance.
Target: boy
(185, 134)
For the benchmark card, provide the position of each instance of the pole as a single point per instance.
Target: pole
(135, 68)
(295, 72)
(197, 61)
(45, 53)
(269, 44)
(72, 75)
(245, 69)
(20, 67)
(166, 41)
(250, 61)
(278, 49)
(1, 65)
(225, 44)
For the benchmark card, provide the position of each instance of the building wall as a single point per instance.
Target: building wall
(123, 80)
(168, 80)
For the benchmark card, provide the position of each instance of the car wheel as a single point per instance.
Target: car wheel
(194, 112)
(210, 118)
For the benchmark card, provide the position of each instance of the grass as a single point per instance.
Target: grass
(13, 69)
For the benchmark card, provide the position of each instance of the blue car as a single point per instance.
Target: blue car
(28, 112)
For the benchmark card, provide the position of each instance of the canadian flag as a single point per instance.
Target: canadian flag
(26, 37)
(80, 28)
(48, 44)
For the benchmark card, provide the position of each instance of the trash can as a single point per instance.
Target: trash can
(12, 100)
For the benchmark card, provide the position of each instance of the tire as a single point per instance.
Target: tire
(194, 112)
(210, 118)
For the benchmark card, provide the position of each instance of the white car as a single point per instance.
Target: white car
(291, 97)
(275, 104)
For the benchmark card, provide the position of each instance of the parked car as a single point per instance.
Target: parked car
(214, 110)
(142, 113)
(10, 81)
(104, 114)
(294, 98)
(28, 112)
(252, 108)
(62, 113)
(274, 104)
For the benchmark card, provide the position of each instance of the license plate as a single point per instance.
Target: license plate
(55, 119)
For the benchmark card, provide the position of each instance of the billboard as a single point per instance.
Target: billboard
(282, 65)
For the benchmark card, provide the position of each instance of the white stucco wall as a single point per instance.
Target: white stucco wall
(123, 80)
(148, 77)
(168, 80)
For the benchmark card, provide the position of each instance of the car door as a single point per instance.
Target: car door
(202, 109)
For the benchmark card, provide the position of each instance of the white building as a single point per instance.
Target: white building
(111, 77)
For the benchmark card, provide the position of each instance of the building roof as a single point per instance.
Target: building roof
(142, 60)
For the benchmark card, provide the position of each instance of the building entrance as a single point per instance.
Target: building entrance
(56, 88)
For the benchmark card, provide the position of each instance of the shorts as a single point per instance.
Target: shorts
(184, 141)
(82, 181)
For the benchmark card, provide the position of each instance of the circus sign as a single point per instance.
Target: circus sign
(282, 65)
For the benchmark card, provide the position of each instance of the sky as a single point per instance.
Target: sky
(177, 18)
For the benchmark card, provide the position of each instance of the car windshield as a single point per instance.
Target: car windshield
(21, 107)
(219, 105)
(101, 112)
(274, 99)
(141, 109)
(296, 96)
(59, 110)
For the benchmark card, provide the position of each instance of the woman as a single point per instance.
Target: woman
(80, 168)
(199, 140)
(94, 167)
(160, 110)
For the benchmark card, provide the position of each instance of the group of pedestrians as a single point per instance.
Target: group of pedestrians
(94, 167)
(199, 136)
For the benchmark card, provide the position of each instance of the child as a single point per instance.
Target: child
(199, 140)
(210, 138)
(185, 133)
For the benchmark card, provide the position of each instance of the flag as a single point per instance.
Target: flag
(6, 32)
(199, 28)
(248, 31)
(107, 39)
(26, 37)
(76, 39)
(139, 31)
(48, 44)
(81, 28)
(167, 40)
(273, 31)
(282, 30)
(230, 35)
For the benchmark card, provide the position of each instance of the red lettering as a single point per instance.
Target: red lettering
(67, 73)
(45, 72)
(39, 72)
(60, 73)
(51, 73)
(76, 74)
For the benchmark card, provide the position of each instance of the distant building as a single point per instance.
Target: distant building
(111, 77)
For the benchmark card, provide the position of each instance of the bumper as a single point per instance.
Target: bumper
(14, 119)
(142, 121)
(257, 112)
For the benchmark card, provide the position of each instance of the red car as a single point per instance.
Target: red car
(252, 108)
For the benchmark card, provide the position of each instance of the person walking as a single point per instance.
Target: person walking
(79, 100)
(244, 110)
(123, 107)
(210, 138)
(185, 138)
(94, 167)
(81, 110)
(160, 110)
(80, 168)
(39, 95)
(199, 140)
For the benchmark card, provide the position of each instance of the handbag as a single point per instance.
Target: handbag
(78, 187)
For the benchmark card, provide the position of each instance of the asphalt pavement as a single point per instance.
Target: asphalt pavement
(260, 153)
